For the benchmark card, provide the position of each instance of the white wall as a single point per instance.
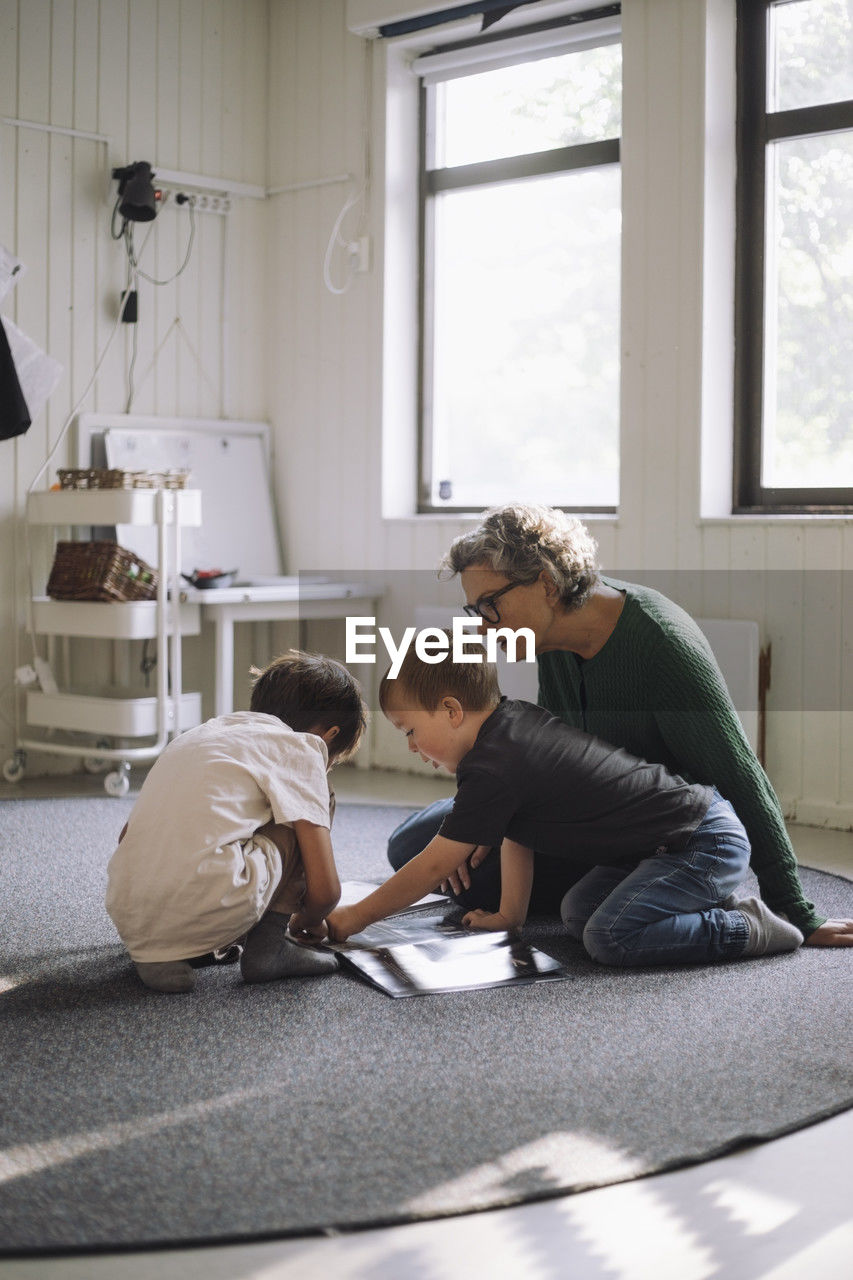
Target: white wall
(326, 391)
(181, 83)
(274, 91)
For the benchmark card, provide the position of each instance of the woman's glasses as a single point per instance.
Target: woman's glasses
(485, 607)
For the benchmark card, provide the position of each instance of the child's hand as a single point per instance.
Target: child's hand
(307, 927)
(460, 879)
(342, 922)
(486, 920)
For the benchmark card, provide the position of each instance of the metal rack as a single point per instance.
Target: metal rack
(105, 716)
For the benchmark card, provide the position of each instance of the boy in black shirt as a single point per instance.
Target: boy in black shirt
(662, 856)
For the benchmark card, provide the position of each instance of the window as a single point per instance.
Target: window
(520, 268)
(794, 347)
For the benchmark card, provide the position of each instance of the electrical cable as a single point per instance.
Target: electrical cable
(49, 459)
(131, 367)
(134, 261)
(135, 271)
(360, 195)
(10, 721)
(147, 663)
(59, 439)
(330, 247)
(132, 285)
(113, 234)
(125, 233)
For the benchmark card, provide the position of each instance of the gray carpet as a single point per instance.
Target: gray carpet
(133, 1119)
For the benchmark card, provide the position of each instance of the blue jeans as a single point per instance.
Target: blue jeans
(415, 832)
(551, 876)
(667, 910)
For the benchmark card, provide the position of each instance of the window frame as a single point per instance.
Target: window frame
(431, 182)
(757, 128)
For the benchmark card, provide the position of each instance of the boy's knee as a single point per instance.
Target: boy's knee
(415, 832)
(573, 915)
(282, 836)
(290, 889)
(399, 848)
(601, 946)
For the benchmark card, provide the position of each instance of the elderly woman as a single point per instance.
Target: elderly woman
(626, 664)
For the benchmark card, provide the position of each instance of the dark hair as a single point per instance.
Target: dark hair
(310, 692)
(475, 684)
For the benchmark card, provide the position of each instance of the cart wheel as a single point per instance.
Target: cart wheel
(13, 770)
(117, 784)
(97, 764)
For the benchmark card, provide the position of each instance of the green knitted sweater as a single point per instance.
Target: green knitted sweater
(655, 689)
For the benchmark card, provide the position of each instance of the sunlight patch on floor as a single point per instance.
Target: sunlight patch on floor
(423, 1251)
(756, 1212)
(651, 1240)
(9, 981)
(827, 1257)
(553, 1161)
(34, 1157)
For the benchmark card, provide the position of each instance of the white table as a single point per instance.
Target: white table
(293, 602)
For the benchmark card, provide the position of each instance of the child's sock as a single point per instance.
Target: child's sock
(769, 934)
(270, 954)
(222, 955)
(167, 975)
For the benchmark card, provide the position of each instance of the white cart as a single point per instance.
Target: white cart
(107, 715)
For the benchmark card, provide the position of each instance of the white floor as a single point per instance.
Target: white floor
(777, 1211)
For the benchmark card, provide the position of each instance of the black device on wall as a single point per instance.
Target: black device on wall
(138, 197)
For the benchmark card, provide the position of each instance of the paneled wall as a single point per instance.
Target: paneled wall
(327, 377)
(276, 92)
(182, 84)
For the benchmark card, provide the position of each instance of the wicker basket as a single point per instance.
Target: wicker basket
(110, 478)
(99, 571)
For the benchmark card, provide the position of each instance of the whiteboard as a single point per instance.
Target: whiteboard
(228, 462)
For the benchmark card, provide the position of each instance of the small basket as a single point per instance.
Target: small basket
(110, 478)
(99, 571)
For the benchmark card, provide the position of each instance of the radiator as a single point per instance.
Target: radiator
(734, 642)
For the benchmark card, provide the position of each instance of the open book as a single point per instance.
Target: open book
(408, 955)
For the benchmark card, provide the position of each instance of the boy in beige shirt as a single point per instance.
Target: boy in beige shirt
(230, 835)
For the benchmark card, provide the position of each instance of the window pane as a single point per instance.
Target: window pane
(526, 342)
(812, 44)
(808, 430)
(533, 106)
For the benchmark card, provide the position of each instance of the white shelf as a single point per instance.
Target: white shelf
(105, 712)
(118, 714)
(111, 506)
(116, 620)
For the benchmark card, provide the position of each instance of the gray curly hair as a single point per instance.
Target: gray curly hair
(521, 540)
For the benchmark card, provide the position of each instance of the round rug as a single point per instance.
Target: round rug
(135, 1119)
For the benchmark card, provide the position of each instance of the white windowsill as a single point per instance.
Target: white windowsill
(613, 521)
(780, 518)
(463, 516)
